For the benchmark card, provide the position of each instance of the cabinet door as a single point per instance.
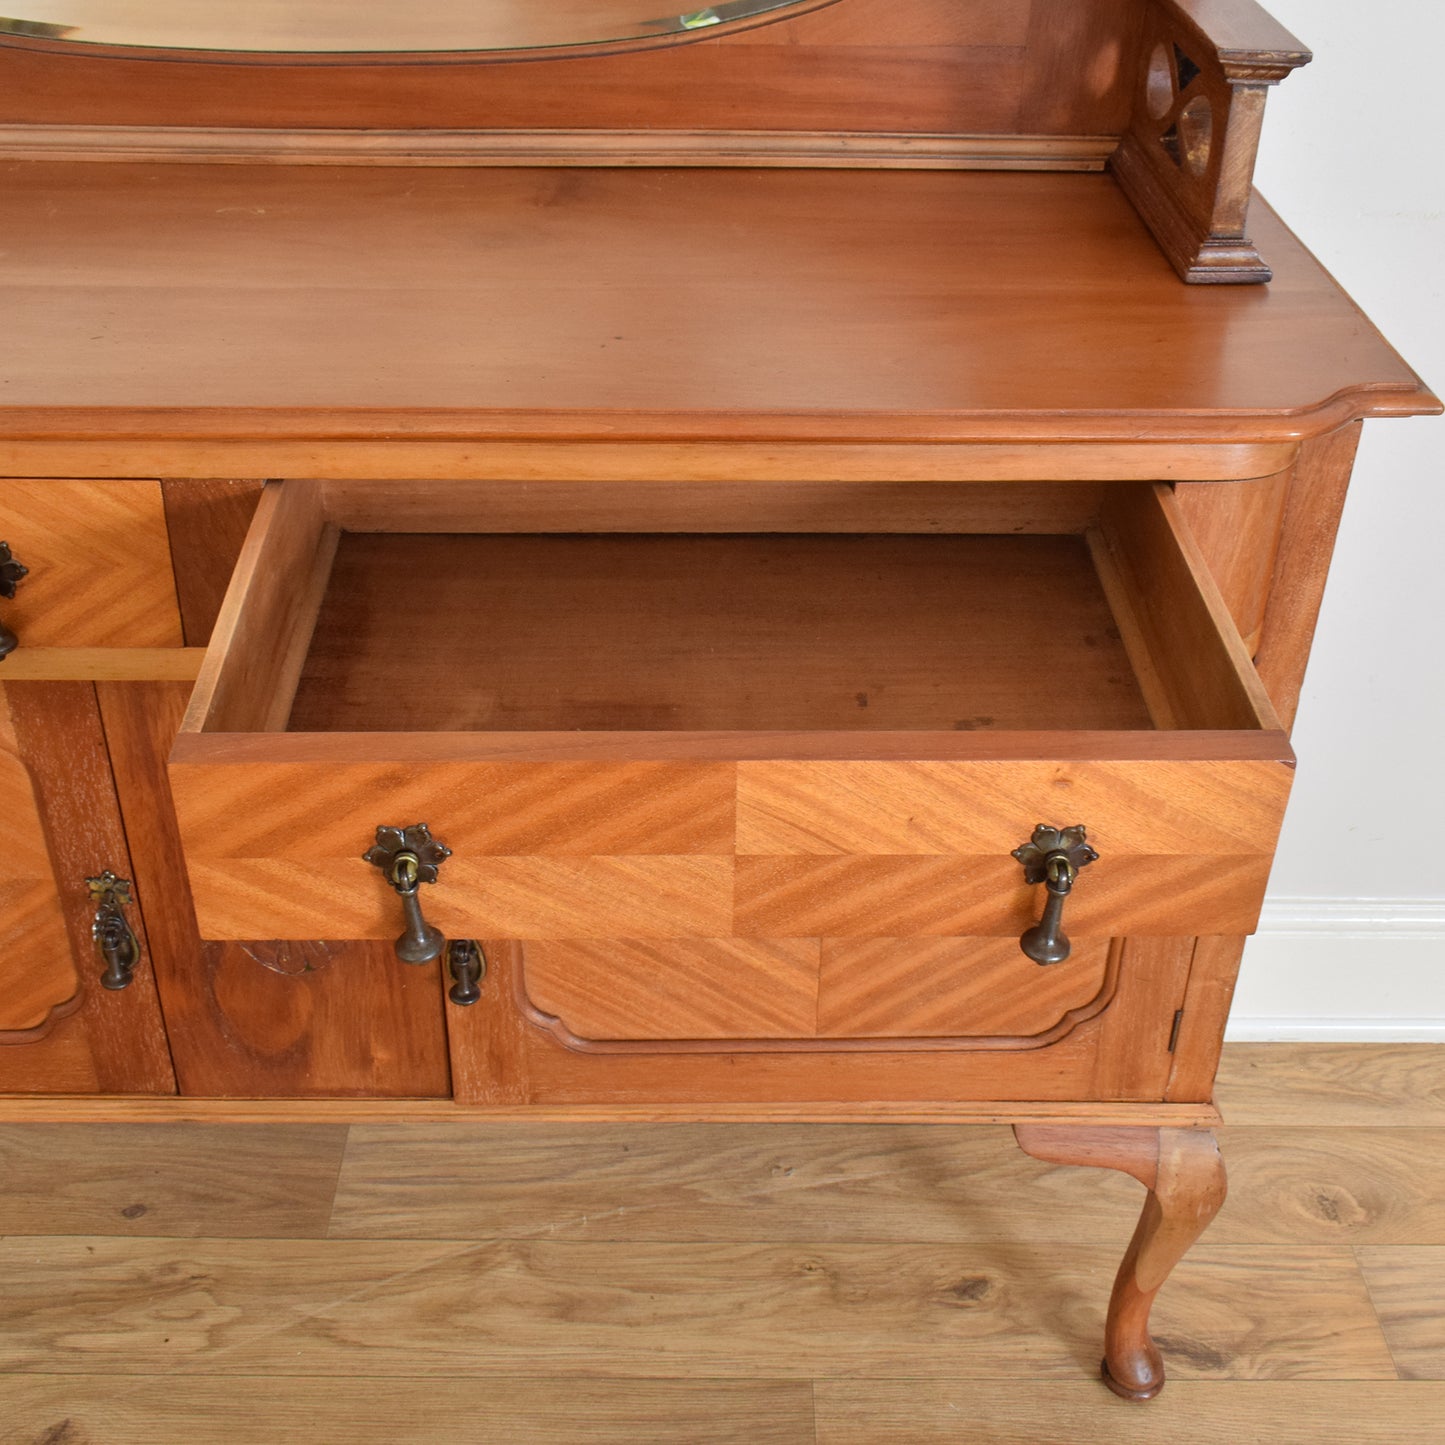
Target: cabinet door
(60, 1031)
(263, 1018)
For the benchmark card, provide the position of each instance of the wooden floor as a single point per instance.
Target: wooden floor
(753, 1284)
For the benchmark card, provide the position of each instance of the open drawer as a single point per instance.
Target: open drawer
(708, 733)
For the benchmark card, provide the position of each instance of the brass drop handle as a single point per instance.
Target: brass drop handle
(1053, 857)
(114, 940)
(409, 857)
(11, 572)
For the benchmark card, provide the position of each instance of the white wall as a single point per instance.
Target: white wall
(1352, 944)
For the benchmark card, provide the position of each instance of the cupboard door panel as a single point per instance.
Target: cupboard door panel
(982, 989)
(111, 1042)
(276, 1019)
(38, 978)
(687, 988)
(505, 1052)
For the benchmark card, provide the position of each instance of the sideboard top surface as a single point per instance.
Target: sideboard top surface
(235, 300)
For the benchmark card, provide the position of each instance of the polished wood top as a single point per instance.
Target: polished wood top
(315, 301)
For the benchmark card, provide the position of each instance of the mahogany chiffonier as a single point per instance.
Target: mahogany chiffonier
(755, 566)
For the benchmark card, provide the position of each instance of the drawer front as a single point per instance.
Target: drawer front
(767, 849)
(99, 562)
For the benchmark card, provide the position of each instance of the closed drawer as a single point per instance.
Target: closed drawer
(722, 735)
(99, 563)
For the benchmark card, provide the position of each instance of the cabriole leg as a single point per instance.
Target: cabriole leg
(1184, 1174)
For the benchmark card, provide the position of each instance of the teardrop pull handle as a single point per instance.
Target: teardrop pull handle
(467, 965)
(11, 572)
(409, 857)
(114, 939)
(1053, 857)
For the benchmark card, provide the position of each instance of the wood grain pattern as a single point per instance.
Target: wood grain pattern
(149, 1180)
(745, 632)
(114, 1042)
(885, 897)
(980, 990)
(518, 897)
(674, 505)
(1237, 527)
(784, 1312)
(207, 521)
(335, 146)
(1119, 1054)
(732, 988)
(1406, 1287)
(1283, 1412)
(330, 811)
(1307, 542)
(1334, 1185)
(1176, 625)
(789, 354)
(300, 1018)
(37, 971)
(923, 808)
(100, 564)
(1213, 972)
(972, 988)
(1334, 1084)
(1302, 1186)
(509, 1410)
(104, 664)
(267, 614)
(195, 446)
(932, 67)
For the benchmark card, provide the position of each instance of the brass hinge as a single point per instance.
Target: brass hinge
(1174, 1031)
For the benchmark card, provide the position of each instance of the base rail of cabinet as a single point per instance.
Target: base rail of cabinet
(161, 1109)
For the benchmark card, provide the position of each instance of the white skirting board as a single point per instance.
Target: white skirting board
(1344, 970)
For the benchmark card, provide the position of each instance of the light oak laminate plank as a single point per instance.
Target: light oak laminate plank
(301, 1307)
(680, 1183)
(858, 1183)
(536, 1410)
(1313, 1185)
(1281, 1412)
(1372, 1086)
(217, 1181)
(1408, 1290)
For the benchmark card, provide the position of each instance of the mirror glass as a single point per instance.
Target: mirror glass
(301, 27)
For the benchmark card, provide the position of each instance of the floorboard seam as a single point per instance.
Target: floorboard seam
(336, 1182)
(1375, 1310)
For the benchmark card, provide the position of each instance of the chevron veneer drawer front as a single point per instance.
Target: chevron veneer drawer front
(99, 563)
(723, 735)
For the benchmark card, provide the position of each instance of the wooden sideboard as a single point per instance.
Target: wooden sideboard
(731, 527)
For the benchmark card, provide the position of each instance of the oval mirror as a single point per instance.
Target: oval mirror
(341, 27)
